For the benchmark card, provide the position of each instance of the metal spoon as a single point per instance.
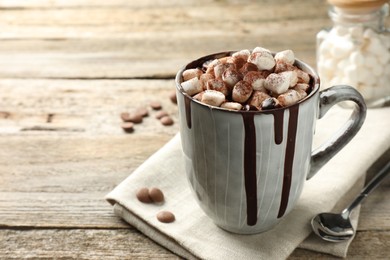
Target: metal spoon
(337, 227)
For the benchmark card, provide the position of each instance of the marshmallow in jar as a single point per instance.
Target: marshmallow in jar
(356, 50)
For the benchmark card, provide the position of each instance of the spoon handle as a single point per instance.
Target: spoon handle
(381, 175)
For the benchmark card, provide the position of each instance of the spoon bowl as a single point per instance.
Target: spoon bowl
(337, 227)
(332, 227)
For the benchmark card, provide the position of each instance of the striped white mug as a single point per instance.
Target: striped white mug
(247, 168)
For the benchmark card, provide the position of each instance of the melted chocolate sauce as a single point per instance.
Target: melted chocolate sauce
(250, 159)
(250, 168)
(278, 126)
(187, 105)
(289, 158)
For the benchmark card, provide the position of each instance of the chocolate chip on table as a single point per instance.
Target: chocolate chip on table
(143, 111)
(136, 118)
(161, 114)
(155, 105)
(165, 216)
(166, 120)
(143, 195)
(4, 114)
(128, 127)
(173, 97)
(156, 195)
(125, 116)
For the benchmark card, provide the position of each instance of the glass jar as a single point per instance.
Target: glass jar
(356, 51)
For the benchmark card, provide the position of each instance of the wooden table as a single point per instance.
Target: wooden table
(69, 68)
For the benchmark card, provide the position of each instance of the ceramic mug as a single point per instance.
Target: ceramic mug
(247, 168)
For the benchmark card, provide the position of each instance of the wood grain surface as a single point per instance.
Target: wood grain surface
(67, 71)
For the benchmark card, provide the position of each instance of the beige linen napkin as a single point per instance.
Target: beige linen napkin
(193, 234)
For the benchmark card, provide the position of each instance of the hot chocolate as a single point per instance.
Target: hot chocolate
(248, 80)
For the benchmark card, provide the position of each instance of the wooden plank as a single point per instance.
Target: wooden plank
(79, 244)
(145, 42)
(374, 215)
(89, 59)
(125, 3)
(82, 106)
(57, 210)
(155, 16)
(40, 191)
(127, 244)
(376, 207)
(366, 245)
(128, 23)
(155, 55)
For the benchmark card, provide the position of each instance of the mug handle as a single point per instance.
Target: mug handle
(328, 98)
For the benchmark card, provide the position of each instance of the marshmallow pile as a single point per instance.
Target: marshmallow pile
(248, 80)
(355, 56)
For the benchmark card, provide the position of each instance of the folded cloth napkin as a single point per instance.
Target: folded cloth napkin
(193, 235)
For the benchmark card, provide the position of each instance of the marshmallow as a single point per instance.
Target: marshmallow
(241, 91)
(277, 83)
(282, 66)
(302, 86)
(198, 96)
(243, 54)
(289, 98)
(303, 77)
(192, 86)
(262, 59)
(385, 58)
(356, 32)
(224, 60)
(260, 49)
(204, 78)
(375, 46)
(213, 98)
(356, 58)
(248, 67)
(371, 62)
(191, 73)
(377, 70)
(237, 61)
(301, 92)
(218, 85)
(342, 49)
(220, 69)
(258, 85)
(257, 98)
(286, 56)
(231, 77)
(231, 105)
(292, 76)
(210, 66)
(322, 35)
(256, 79)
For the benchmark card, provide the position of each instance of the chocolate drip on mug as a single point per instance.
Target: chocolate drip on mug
(250, 168)
(289, 158)
(278, 126)
(187, 105)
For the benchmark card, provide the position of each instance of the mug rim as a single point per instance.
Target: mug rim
(195, 64)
